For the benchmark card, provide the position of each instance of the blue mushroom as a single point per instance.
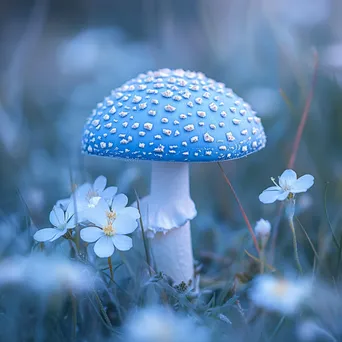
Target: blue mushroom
(172, 117)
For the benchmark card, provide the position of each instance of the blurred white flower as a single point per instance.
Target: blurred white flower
(157, 324)
(46, 273)
(61, 221)
(280, 295)
(112, 223)
(87, 196)
(288, 185)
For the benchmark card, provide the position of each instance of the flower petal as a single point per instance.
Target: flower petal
(283, 195)
(109, 193)
(119, 202)
(303, 183)
(270, 195)
(56, 216)
(130, 211)
(125, 224)
(100, 184)
(59, 234)
(122, 242)
(287, 178)
(83, 190)
(45, 234)
(91, 234)
(97, 215)
(104, 247)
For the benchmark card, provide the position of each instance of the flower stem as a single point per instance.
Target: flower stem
(295, 248)
(111, 268)
(74, 315)
(262, 260)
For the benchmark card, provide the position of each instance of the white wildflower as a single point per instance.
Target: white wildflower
(288, 186)
(280, 295)
(156, 324)
(46, 273)
(61, 220)
(87, 196)
(112, 223)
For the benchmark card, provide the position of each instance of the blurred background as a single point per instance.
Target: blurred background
(59, 58)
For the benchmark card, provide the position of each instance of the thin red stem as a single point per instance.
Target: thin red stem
(304, 115)
(255, 241)
(296, 143)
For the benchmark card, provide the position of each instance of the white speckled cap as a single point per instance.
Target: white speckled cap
(173, 115)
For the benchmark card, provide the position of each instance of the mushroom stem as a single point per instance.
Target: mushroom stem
(170, 210)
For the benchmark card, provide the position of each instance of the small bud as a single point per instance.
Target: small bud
(263, 230)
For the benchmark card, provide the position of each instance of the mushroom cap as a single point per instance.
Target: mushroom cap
(173, 115)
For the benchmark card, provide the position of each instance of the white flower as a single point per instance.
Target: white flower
(46, 273)
(61, 221)
(112, 222)
(288, 185)
(280, 295)
(157, 324)
(87, 196)
(262, 228)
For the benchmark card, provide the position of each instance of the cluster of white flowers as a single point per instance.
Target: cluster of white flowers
(101, 212)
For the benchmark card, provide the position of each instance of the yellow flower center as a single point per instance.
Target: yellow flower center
(109, 230)
(281, 288)
(111, 215)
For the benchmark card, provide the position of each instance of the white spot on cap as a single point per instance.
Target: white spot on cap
(201, 114)
(176, 122)
(212, 126)
(183, 116)
(158, 137)
(244, 149)
(208, 138)
(230, 136)
(108, 125)
(198, 100)
(167, 93)
(103, 144)
(223, 148)
(244, 132)
(113, 130)
(223, 114)
(135, 125)
(142, 134)
(152, 112)
(176, 133)
(189, 128)
(125, 124)
(90, 149)
(164, 120)
(169, 108)
(141, 145)
(148, 126)
(136, 99)
(167, 132)
(106, 117)
(142, 105)
(194, 139)
(95, 122)
(236, 121)
(123, 114)
(213, 107)
(221, 124)
(159, 149)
